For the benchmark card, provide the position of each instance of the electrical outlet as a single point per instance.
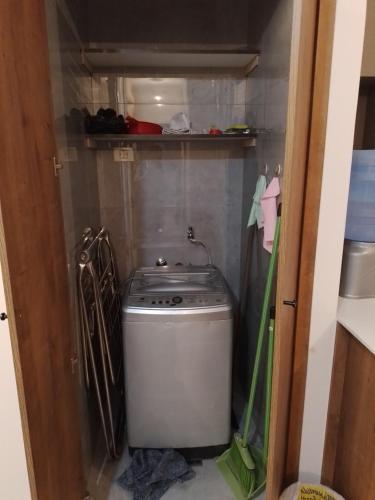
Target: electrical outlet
(123, 154)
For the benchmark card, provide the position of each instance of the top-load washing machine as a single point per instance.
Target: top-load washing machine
(177, 328)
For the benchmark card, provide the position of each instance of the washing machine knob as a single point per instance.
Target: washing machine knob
(177, 300)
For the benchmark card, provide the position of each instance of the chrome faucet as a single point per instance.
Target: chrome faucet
(190, 233)
(191, 238)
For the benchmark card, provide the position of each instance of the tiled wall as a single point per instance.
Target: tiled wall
(207, 102)
(172, 186)
(71, 87)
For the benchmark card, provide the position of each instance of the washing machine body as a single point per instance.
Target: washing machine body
(177, 328)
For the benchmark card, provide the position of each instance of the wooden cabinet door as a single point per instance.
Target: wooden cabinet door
(33, 230)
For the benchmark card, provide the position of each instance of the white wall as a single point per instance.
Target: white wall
(344, 84)
(14, 482)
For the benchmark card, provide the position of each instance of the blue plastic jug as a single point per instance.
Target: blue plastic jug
(360, 218)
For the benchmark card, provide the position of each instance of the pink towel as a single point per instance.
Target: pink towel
(269, 208)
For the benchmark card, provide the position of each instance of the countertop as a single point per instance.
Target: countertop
(358, 317)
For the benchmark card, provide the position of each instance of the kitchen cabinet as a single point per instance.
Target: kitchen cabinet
(349, 465)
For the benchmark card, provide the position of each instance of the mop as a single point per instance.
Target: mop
(239, 465)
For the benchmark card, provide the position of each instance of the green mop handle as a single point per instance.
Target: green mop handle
(271, 338)
(262, 327)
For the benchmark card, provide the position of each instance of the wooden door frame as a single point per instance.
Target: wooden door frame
(319, 111)
(311, 56)
(33, 257)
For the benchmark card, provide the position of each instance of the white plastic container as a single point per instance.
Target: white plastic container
(360, 219)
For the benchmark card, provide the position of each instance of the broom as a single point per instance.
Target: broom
(237, 464)
(262, 455)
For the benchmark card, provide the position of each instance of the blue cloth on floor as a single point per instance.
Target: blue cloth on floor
(152, 472)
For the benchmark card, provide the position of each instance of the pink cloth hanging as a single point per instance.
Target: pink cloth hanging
(269, 207)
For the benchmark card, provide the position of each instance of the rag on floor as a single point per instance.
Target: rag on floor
(152, 472)
(269, 209)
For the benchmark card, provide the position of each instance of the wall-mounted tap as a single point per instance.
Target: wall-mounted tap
(191, 238)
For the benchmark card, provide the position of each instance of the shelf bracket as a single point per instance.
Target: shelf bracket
(254, 63)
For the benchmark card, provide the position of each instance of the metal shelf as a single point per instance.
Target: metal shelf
(110, 141)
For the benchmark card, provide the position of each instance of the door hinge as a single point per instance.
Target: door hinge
(57, 166)
(291, 303)
(3, 316)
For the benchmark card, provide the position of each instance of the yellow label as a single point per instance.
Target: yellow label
(313, 492)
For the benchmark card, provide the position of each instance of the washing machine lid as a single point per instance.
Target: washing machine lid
(177, 279)
(177, 290)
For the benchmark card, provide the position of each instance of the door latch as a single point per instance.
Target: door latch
(57, 166)
(291, 303)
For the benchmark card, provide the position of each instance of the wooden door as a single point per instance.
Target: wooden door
(304, 29)
(33, 230)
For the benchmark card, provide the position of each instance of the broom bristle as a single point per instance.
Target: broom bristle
(244, 474)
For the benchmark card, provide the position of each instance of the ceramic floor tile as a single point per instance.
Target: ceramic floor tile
(208, 484)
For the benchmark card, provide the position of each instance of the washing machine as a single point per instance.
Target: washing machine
(178, 333)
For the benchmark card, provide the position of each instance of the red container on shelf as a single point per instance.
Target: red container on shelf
(215, 131)
(142, 128)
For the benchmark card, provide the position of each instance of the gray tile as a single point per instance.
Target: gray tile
(110, 180)
(173, 253)
(255, 90)
(113, 219)
(255, 115)
(276, 91)
(159, 225)
(158, 183)
(216, 91)
(208, 484)
(153, 90)
(275, 117)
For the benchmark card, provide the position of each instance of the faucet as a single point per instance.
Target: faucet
(191, 238)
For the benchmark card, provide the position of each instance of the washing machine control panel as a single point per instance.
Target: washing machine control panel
(177, 301)
(177, 287)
